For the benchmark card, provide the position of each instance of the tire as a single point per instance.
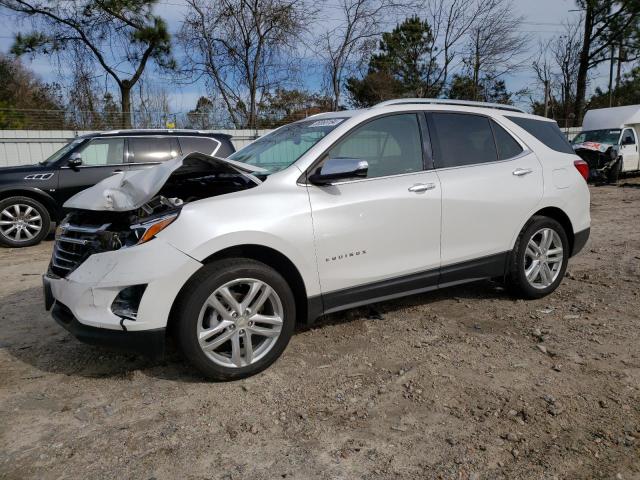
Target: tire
(33, 219)
(522, 259)
(202, 309)
(614, 174)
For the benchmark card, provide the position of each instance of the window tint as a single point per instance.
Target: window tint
(391, 145)
(547, 132)
(507, 145)
(463, 139)
(198, 144)
(150, 149)
(103, 151)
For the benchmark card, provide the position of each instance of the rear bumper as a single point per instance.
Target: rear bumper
(150, 343)
(579, 240)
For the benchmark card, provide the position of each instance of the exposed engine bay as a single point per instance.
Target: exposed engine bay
(105, 224)
(602, 158)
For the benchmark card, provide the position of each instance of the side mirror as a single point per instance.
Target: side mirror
(75, 160)
(628, 141)
(334, 169)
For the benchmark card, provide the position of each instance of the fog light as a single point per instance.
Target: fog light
(127, 302)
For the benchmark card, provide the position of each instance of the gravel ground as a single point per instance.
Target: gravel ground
(462, 383)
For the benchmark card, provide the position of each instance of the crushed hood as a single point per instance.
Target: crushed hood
(594, 146)
(130, 190)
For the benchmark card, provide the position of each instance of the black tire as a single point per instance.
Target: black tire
(614, 174)
(8, 237)
(517, 281)
(201, 286)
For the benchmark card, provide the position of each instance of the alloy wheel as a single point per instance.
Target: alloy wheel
(543, 257)
(240, 322)
(20, 222)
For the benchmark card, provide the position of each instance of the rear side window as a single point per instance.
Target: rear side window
(462, 139)
(150, 149)
(205, 145)
(547, 132)
(507, 145)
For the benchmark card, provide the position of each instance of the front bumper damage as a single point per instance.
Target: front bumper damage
(601, 158)
(83, 301)
(112, 280)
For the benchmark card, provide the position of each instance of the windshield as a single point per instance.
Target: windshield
(284, 146)
(598, 136)
(62, 152)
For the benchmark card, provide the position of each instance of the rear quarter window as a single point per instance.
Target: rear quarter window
(205, 145)
(546, 132)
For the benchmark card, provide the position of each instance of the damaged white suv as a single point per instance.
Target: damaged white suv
(338, 210)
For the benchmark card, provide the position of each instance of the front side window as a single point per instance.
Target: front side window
(507, 145)
(628, 137)
(462, 139)
(284, 146)
(103, 151)
(150, 149)
(546, 132)
(391, 145)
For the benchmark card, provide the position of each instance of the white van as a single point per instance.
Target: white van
(609, 141)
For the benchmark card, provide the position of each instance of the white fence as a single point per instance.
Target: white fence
(571, 132)
(23, 147)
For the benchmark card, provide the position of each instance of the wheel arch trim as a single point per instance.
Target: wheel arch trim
(276, 259)
(556, 213)
(55, 212)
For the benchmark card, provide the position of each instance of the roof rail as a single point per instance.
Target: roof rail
(155, 130)
(443, 101)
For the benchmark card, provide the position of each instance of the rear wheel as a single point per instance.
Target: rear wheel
(235, 318)
(23, 222)
(539, 260)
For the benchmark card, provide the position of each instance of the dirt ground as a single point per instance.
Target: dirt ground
(463, 383)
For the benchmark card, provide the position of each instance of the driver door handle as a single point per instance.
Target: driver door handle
(422, 187)
(519, 172)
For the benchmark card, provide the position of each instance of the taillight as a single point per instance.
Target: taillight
(583, 168)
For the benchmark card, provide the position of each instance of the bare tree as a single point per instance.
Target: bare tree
(450, 22)
(495, 45)
(243, 47)
(347, 47)
(151, 105)
(566, 54)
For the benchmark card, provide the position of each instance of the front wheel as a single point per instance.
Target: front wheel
(235, 318)
(539, 260)
(23, 222)
(614, 173)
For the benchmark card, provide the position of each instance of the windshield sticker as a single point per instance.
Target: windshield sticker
(326, 123)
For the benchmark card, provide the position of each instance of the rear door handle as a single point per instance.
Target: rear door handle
(422, 187)
(118, 170)
(519, 172)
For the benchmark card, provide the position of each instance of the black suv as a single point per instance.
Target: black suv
(31, 196)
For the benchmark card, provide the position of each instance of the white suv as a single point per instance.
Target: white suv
(338, 210)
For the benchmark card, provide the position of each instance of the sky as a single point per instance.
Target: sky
(542, 20)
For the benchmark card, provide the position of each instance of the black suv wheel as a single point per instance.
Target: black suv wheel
(23, 222)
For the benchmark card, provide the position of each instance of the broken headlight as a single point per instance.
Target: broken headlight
(145, 231)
